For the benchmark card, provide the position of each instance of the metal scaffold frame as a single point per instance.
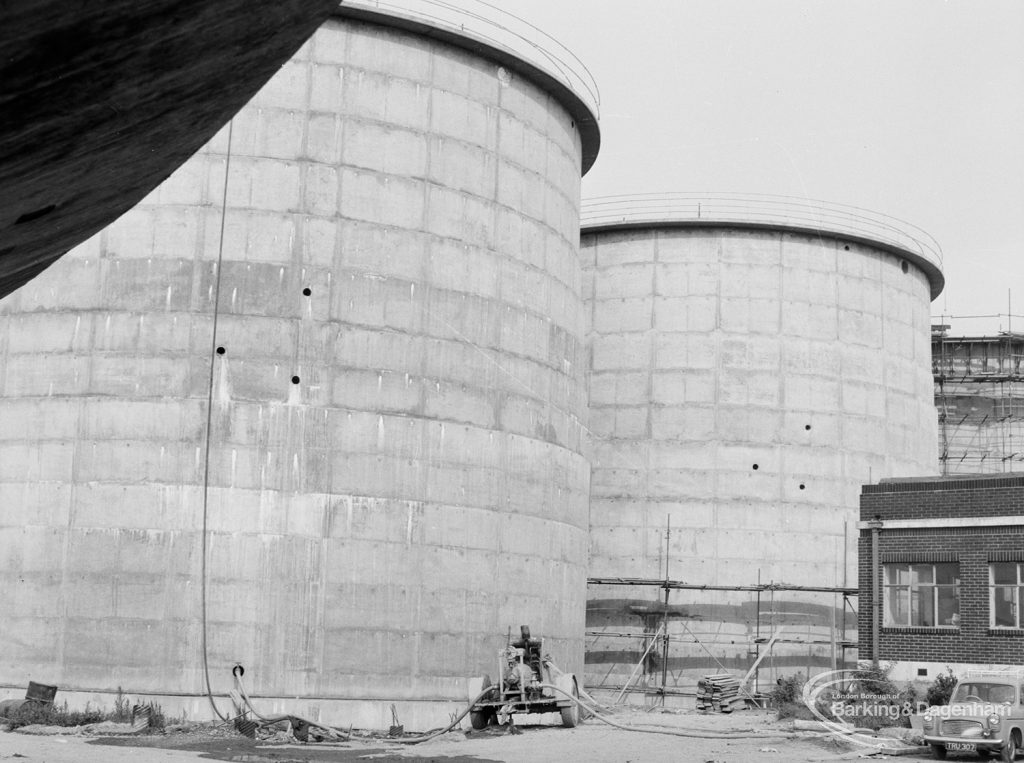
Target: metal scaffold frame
(979, 395)
(759, 648)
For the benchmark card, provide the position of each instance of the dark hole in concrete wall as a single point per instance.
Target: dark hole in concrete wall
(295, 380)
(221, 350)
(307, 291)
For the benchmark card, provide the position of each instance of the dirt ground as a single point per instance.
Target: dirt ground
(760, 738)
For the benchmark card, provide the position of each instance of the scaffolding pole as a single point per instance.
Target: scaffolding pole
(836, 640)
(683, 586)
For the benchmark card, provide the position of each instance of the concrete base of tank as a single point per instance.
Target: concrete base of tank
(365, 714)
(414, 716)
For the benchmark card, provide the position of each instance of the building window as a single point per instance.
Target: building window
(1006, 594)
(922, 595)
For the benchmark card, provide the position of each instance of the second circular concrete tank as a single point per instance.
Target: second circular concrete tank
(748, 374)
(347, 404)
(752, 363)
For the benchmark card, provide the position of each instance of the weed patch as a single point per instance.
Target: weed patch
(46, 714)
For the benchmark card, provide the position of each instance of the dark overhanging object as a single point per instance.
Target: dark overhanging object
(102, 101)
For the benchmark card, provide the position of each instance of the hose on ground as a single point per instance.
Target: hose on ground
(455, 722)
(346, 735)
(693, 733)
(349, 734)
(265, 721)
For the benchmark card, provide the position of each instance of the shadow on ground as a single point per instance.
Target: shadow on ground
(242, 750)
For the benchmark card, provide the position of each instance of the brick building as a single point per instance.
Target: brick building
(941, 574)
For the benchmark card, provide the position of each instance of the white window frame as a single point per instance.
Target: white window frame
(992, 585)
(909, 590)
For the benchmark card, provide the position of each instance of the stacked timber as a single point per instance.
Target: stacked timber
(720, 693)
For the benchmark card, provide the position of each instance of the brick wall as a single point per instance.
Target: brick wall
(972, 547)
(940, 498)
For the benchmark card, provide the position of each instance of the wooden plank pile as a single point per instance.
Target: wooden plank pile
(720, 693)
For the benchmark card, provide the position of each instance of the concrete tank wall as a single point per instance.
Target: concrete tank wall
(713, 350)
(744, 383)
(395, 470)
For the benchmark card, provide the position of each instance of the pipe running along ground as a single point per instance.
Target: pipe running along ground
(346, 735)
(692, 733)
(350, 734)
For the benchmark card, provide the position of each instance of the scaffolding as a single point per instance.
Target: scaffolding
(979, 396)
(644, 643)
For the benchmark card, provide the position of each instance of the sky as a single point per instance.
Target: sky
(912, 108)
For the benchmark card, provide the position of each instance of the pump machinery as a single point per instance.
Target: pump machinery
(528, 682)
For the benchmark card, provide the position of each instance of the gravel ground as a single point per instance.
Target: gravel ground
(758, 737)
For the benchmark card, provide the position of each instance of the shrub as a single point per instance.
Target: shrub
(79, 717)
(884, 703)
(875, 680)
(157, 719)
(47, 714)
(787, 698)
(30, 714)
(941, 689)
(788, 689)
(122, 708)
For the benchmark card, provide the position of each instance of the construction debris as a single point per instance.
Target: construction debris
(396, 729)
(720, 693)
(141, 715)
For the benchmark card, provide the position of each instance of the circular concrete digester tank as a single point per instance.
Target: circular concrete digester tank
(389, 329)
(754, 361)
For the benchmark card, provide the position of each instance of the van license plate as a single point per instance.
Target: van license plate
(961, 746)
